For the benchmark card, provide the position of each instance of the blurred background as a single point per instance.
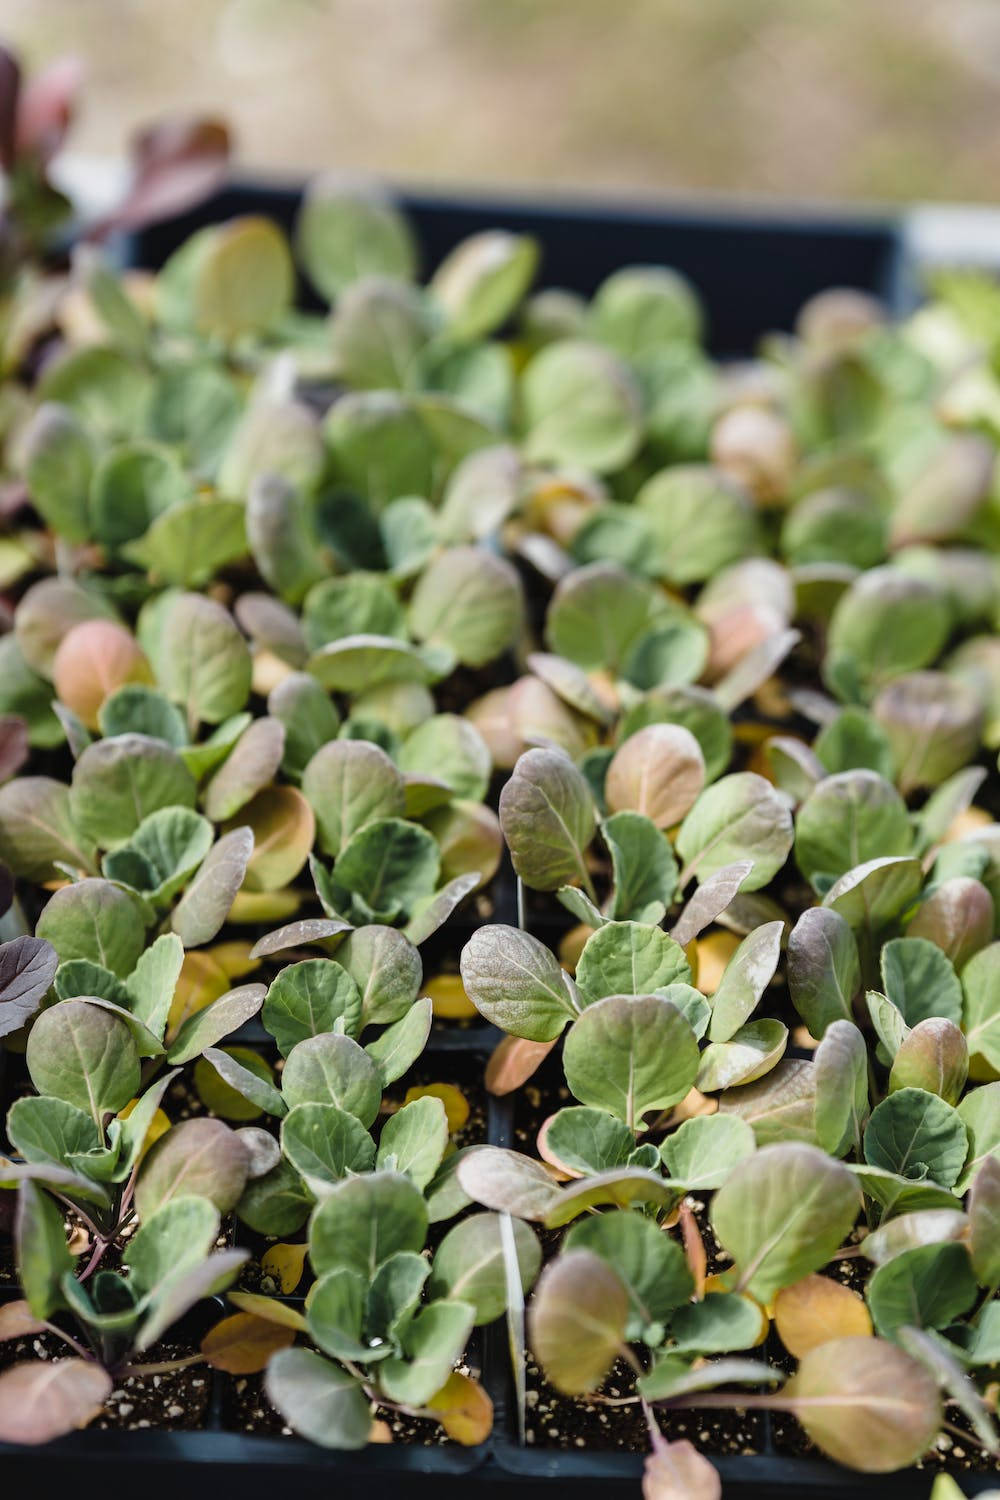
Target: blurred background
(817, 100)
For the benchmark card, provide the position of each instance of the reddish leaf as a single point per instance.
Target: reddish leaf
(177, 163)
(43, 1399)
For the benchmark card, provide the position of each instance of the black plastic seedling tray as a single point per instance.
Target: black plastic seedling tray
(753, 271)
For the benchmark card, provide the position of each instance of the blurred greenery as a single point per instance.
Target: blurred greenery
(813, 99)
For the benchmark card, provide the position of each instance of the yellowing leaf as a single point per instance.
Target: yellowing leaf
(242, 1344)
(251, 907)
(714, 952)
(456, 1106)
(234, 958)
(285, 1264)
(464, 1410)
(202, 980)
(268, 671)
(448, 997)
(380, 1432)
(270, 1309)
(572, 945)
(158, 1125)
(816, 1310)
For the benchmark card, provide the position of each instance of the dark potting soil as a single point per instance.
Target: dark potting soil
(176, 1400)
(556, 1421)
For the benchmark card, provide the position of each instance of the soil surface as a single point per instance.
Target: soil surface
(556, 1421)
(177, 1400)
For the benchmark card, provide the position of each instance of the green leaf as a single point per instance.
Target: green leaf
(152, 982)
(580, 407)
(980, 1112)
(980, 979)
(318, 1399)
(43, 1256)
(170, 1242)
(515, 982)
(251, 765)
(469, 1264)
(348, 229)
(133, 484)
(394, 1293)
(336, 1312)
(920, 980)
(750, 1053)
(215, 1021)
(481, 281)
(387, 970)
(325, 1144)
(596, 615)
(927, 1287)
(740, 817)
(50, 1130)
(310, 719)
(277, 1203)
(651, 1266)
(414, 1140)
(206, 903)
(390, 864)
(917, 1135)
(701, 1153)
(824, 970)
(199, 1157)
(630, 1054)
(349, 784)
(365, 1220)
(840, 1065)
(872, 895)
(469, 601)
(452, 750)
(193, 541)
(746, 977)
(723, 1322)
(237, 1074)
(85, 1056)
(400, 1044)
(577, 1321)
(432, 1342)
(848, 819)
(783, 1215)
(58, 463)
(643, 867)
(629, 958)
(587, 1140)
(203, 662)
(173, 842)
(333, 1069)
(37, 829)
(308, 999)
(118, 782)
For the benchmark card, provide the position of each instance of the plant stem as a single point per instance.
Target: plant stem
(163, 1367)
(97, 1256)
(67, 1338)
